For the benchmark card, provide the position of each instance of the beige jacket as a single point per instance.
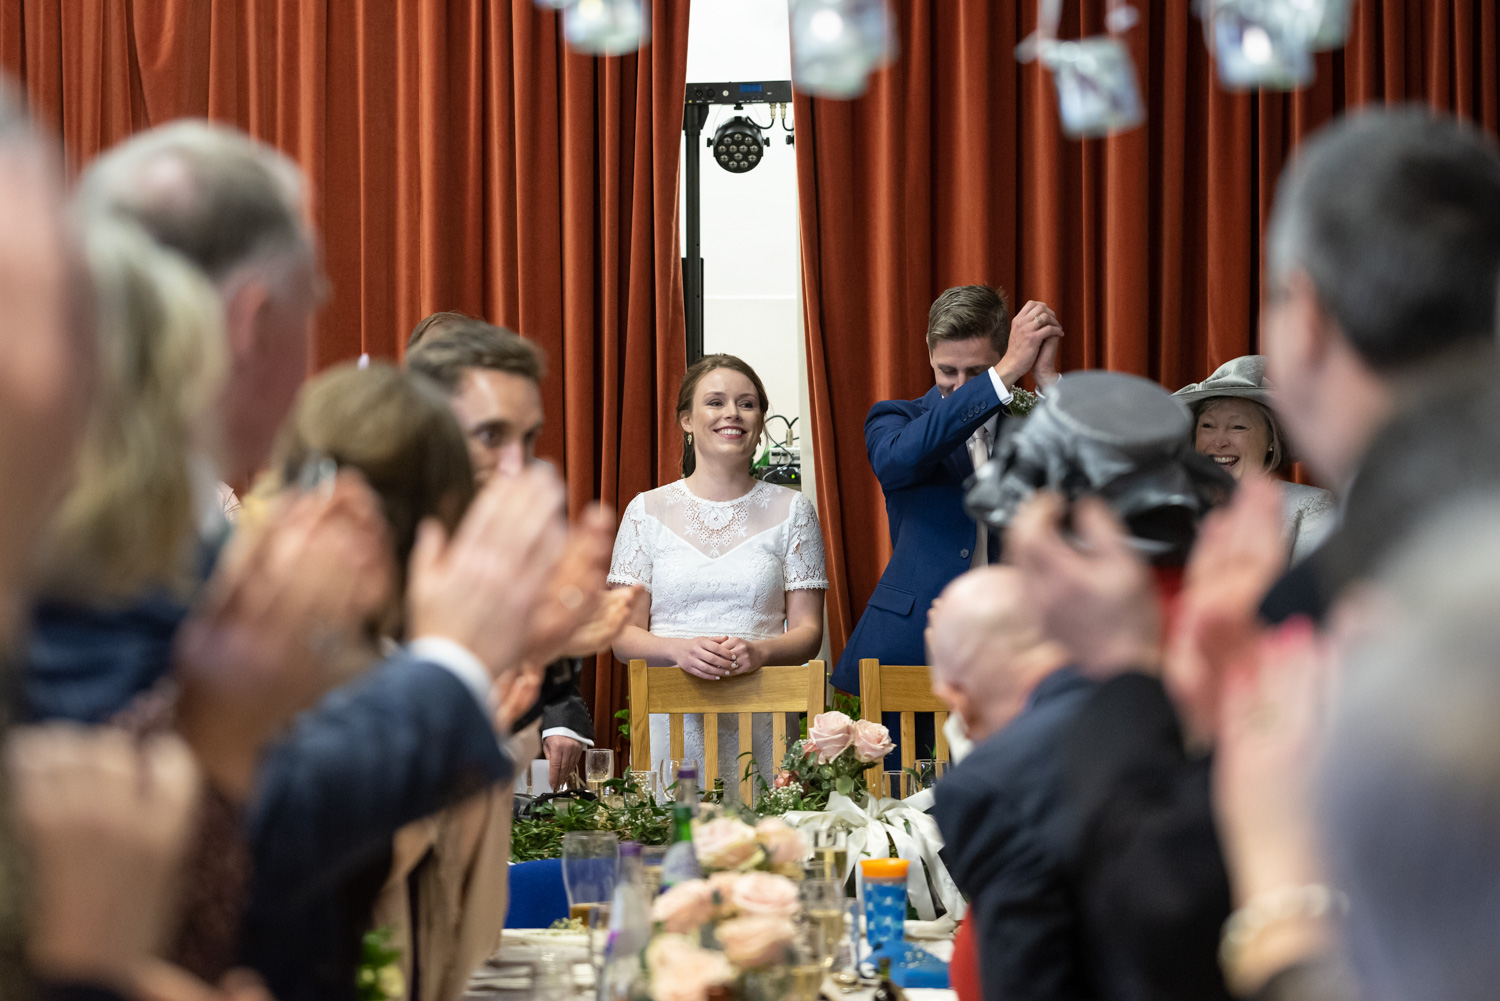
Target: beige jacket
(461, 858)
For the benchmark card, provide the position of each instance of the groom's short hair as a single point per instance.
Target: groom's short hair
(445, 355)
(965, 312)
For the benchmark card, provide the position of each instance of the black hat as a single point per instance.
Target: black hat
(1118, 437)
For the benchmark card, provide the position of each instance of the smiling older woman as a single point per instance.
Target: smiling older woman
(1234, 424)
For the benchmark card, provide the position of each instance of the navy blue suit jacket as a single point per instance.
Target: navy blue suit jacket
(399, 744)
(1005, 818)
(919, 453)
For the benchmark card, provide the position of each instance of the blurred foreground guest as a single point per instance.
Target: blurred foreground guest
(1382, 264)
(235, 208)
(122, 558)
(445, 882)
(104, 817)
(1234, 423)
(1409, 795)
(493, 380)
(997, 808)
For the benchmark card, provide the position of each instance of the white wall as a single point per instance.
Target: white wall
(751, 293)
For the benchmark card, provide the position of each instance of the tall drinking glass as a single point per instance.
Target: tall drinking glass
(893, 785)
(667, 778)
(590, 866)
(823, 908)
(598, 768)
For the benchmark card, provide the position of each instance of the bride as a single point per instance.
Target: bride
(733, 565)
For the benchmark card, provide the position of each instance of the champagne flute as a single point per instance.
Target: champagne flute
(823, 905)
(598, 768)
(831, 852)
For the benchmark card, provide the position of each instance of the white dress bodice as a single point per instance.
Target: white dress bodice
(719, 568)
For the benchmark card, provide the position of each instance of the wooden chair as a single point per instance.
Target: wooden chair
(671, 690)
(904, 689)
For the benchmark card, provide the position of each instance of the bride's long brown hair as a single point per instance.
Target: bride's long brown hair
(690, 380)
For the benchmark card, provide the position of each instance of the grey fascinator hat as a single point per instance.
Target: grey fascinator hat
(1244, 377)
(1118, 437)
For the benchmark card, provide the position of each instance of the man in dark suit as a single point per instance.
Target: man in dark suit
(1382, 261)
(997, 807)
(923, 450)
(493, 380)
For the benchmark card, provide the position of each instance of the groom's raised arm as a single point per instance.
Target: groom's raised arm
(905, 448)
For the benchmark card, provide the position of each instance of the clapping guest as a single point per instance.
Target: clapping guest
(733, 565)
(1234, 424)
(493, 380)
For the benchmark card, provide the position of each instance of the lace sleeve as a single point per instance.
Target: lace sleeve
(803, 567)
(631, 563)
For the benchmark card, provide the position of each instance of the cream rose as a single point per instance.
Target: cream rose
(757, 940)
(723, 885)
(684, 907)
(872, 742)
(681, 970)
(725, 843)
(784, 844)
(830, 734)
(766, 893)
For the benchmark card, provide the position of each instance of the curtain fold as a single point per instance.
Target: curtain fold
(459, 156)
(952, 170)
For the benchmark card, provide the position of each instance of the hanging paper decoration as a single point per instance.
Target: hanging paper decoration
(1095, 77)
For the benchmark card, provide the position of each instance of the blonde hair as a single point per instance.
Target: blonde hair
(128, 523)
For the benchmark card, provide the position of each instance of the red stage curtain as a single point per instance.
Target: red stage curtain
(459, 157)
(952, 170)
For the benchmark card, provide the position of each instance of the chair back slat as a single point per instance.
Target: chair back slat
(904, 689)
(778, 741)
(908, 740)
(674, 692)
(710, 749)
(747, 784)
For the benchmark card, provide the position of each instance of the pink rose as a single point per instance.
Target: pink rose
(786, 779)
(758, 940)
(681, 970)
(725, 843)
(722, 885)
(784, 844)
(872, 742)
(830, 734)
(766, 893)
(684, 907)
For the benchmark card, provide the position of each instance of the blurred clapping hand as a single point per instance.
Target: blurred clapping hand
(281, 623)
(105, 821)
(1240, 551)
(1092, 594)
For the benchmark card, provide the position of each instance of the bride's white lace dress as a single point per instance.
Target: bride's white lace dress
(719, 568)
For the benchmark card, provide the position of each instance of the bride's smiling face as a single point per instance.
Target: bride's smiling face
(726, 419)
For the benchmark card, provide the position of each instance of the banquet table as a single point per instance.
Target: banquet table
(507, 976)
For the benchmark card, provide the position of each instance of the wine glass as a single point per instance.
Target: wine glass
(590, 866)
(667, 773)
(598, 768)
(641, 787)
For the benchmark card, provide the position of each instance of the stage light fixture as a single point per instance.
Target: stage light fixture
(1095, 77)
(607, 27)
(739, 145)
(837, 44)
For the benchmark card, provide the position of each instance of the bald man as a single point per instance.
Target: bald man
(985, 653)
(999, 807)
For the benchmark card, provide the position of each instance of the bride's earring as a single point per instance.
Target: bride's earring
(690, 437)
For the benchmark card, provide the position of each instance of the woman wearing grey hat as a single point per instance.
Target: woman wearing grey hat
(1234, 424)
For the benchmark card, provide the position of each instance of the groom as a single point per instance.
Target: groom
(923, 450)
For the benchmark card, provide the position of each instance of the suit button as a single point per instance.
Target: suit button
(963, 554)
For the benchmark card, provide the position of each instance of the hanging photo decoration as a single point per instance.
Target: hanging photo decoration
(605, 27)
(1095, 77)
(1268, 44)
(837, 44)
